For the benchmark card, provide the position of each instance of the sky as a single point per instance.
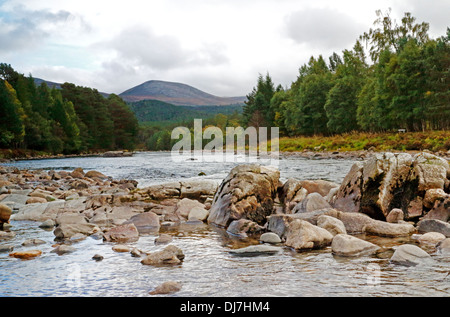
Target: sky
(217, 46)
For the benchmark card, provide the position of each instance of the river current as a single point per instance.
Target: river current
(209, 269)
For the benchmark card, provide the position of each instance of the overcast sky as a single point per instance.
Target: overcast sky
(218, 46)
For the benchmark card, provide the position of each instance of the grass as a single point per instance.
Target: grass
(434, 141)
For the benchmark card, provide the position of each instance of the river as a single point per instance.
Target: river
(209, 269)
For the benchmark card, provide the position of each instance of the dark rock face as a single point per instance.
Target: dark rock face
(388, 181)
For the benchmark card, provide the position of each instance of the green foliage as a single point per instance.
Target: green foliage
(67, 120)
(257, 111)
(406, 87)
(12, 129)
(159, 111)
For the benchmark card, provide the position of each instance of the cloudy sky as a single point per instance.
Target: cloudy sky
(218, 46)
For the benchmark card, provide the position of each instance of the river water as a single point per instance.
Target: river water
(209, 269)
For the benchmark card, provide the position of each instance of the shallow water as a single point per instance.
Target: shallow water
(208, 268)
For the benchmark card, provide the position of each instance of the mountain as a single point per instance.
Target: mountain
(176, 94)
(52, 84)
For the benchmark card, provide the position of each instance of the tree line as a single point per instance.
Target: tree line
(68, 120)
(394, 77)
(157, 136)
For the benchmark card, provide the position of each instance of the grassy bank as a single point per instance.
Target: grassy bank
(434, 141)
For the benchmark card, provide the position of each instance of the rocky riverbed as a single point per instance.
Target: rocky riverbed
(386, 197)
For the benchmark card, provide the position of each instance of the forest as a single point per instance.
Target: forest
(69, 120)
(395, 77)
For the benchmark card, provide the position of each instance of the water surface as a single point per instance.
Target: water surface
(208, 268)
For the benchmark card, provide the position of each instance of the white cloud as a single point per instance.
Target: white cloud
(323, 28)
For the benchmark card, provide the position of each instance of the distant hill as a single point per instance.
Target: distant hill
(158, 111)
(51, 84)
(176, 94)
(39, 81)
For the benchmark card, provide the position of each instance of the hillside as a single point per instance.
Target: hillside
(177, 94)
(158, 111)
(52, 84)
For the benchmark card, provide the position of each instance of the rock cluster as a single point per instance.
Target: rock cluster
(388, 195)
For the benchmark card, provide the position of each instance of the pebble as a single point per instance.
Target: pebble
(63, 249)
(255, 250)
(121, 248)
(6, 248)
(30, 254)
(97, 257)
(136, 252)
(7, 234)
(47, 224)
(29, 242)
(163, 239)
(270, 237)
(431, 238)
(166, 288)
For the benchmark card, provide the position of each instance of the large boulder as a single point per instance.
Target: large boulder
(387, 181)
(70, 218)
(279, 223)
(185, 205)
(244, 227)
(40, 212)
(409, 255)
(346, 245)
(354, 222)
(386, 229)
(302, 235)
(145, 222)
(122, 233)
(332, 224)
(247, 192)
(198, 189)
(66, 231)
(360, 223)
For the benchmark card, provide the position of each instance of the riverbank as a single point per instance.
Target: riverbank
(437, 142)
(8, 155)
(349, 145)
